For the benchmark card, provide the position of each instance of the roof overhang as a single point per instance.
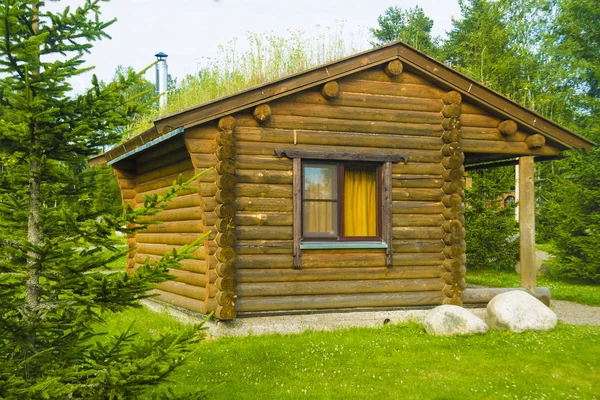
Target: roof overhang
(422, 64)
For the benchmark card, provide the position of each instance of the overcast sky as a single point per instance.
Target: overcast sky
(189, 31)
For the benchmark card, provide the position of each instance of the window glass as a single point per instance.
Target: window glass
(320, 201)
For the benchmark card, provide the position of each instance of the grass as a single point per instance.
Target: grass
(398, 362)
(561, 290)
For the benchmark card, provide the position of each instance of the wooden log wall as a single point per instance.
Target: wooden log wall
(154, 171)
(126, 179)
(486, 134)
(383, 109)
(454, 183)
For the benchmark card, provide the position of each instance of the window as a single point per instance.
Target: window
(341, 201)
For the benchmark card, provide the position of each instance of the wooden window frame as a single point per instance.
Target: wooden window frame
(386, 194)
(340, 195)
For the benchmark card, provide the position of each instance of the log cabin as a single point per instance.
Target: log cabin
(336, 188)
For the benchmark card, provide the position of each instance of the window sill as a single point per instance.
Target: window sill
(342, 245)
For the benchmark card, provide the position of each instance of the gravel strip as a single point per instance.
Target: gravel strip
(576, 314)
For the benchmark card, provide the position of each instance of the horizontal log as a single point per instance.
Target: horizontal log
(331, 124)
(255, 140)
(335, 274)
(392, 102)
(481, 133)
(177, 214)
(343, 260)
(201, 160)
(417, 233)
(393, 89)
(191, 278)
(128, 183)
(417, 181)
(245, 218)
(264, 232)
(417, 207)
(282, 303)
(484, 295)
(167, 180)
(379, 74)
(175, 144)
(417, 168)
(265, 204)
(171, 169)
(263, 261)
(402, 259)
(263, 162)
(262, 113)
(162, 249)
(204, 131)
(201, 146)
(194, 226)
(264, 176)
(161, 162)
(180, 301)
(177, 239)
(263, 190)
(355, 113)
(477, 120)
(183, 289)
(417, 220)
(263, 247)
(508, 127)
(418, 246)
(338, 287)
(404, 194)
(513, 148)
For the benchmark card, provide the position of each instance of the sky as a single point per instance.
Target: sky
(190, 31)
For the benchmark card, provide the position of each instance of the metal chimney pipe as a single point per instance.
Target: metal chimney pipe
(162, 70)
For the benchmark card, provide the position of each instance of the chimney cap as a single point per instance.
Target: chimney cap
(161, 56)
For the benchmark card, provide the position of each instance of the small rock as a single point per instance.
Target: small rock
(541, 268)
(449, 320)
(519, 311)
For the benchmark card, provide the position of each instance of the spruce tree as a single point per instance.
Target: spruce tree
(50, 246)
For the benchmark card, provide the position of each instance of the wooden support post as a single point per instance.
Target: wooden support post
(527, 222)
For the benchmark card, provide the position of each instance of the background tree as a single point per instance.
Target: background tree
(52, 294)
(411, 26)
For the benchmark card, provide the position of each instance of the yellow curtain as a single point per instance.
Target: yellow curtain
(360, 202)
(318, 217)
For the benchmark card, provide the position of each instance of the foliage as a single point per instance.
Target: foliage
(396, 361)
(561, 289)
(52, 239)
(411, 26)
(491, 229)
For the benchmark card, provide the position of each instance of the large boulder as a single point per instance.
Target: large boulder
(519, 311)
(453, 320)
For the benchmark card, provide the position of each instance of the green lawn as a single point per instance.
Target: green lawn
(560, 290)
(398, 362)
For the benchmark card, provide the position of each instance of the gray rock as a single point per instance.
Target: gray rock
(519, 311)
(541, 267)
(449, 320)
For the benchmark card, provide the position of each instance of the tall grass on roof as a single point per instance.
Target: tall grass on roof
(268, 57)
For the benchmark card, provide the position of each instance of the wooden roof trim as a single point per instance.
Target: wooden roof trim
(341, 156)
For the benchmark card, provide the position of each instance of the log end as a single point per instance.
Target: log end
(262, 113)
(535, 141)
(452, 97)
(451, 110)
(225, 312)
(226, 123)
(330, 90)
(394, 68)
(508, 127)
